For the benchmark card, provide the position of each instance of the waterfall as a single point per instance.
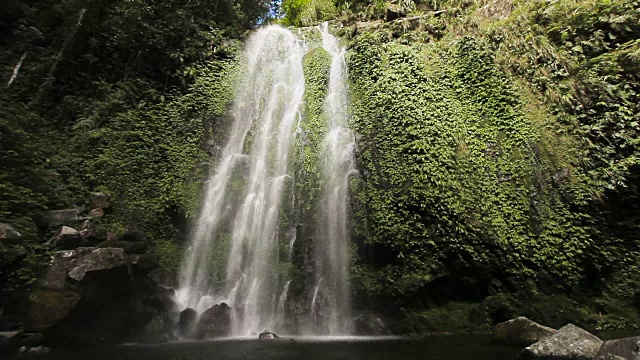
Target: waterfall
(246, 213)
(338, 163)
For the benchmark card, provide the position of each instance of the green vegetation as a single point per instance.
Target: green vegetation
(499, 153)
(498, 142)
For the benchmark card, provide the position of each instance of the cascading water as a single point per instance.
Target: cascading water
(338, 163)
(244, 204)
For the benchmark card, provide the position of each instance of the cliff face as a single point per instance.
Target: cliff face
(499, 161)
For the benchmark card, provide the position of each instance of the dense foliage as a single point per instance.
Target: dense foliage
(498, 142)
(117, 96)
(499, 156)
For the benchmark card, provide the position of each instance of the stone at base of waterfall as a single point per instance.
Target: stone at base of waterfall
(10, 339)
(370, 324)
(627, 348)
(214, 322)
(267, 335)
(187, 321)
(520, 331)
(570, 342)
(34, 349)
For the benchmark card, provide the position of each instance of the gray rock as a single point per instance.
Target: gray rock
(66, 238)
(267, 335)
(9, 235)
(32, 339)
(214, 322)
(520, 331)
(64, 284)
(34, 349)
(96, 213)
(187, 321)
(156, 331)
(370, 324)
(628, 348)
(100, 200)
(52, 218)
(570, 342)
(10, 339)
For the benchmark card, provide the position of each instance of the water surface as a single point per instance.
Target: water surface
(352, 348)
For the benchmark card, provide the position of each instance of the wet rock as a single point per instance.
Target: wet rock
(34, 349)
(267, 335)
(214, 322)
(66, 238)
(520, 331)
(100, 200)
(83, 296)
(157, 331)
(32, 339)
(370, 324)
(628, 348)
(164, 278)
(9, 235)
(187, 321)
(95, 214)
(10, 339)
(89, 236)
(570, 342)
(54, 218)
(162, 299)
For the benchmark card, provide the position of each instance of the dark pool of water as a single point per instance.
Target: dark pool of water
(435, 347)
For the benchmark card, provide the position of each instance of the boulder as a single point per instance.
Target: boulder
(520, 331)
(52, 218)
(34, 349)
(164, 278)
(370, 324)
(66, 238)
(9, 339)
(9, 235)
(267, 335)
(570, 342)
(214, 322)
(628, 348)
(82, 296)
(100, 200)
(157, 331)
(95, 214)
(32, 339)
(187, 321)
(163, 299)
(89, 236)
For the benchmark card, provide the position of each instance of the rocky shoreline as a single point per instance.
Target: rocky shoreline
(567, 343)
